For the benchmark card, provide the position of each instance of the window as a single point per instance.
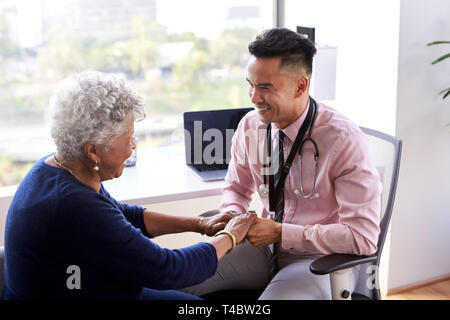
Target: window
(365, 34)
(178, 55)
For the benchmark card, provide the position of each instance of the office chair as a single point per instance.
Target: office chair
(385, 151)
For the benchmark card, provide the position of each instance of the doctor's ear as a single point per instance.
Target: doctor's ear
(302, 85)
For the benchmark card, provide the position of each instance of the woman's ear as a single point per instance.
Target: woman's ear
(90, 150)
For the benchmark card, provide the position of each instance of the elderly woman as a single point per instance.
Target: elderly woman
(67, 238)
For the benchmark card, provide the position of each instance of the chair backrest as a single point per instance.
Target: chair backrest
(385, 151)
(2, 277)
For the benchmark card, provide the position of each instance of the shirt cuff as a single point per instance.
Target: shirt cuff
(143, 228)
(292, 238)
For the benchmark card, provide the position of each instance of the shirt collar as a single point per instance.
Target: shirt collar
(291, 130)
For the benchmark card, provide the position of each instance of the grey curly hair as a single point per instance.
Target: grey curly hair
(91, 106)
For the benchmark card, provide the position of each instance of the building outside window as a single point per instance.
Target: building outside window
(178, 55)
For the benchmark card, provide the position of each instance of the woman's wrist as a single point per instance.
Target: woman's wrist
(200, 225)
(230, 236)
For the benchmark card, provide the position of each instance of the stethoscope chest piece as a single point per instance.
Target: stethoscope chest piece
(263, 190)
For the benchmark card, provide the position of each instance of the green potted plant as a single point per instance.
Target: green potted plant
(446, 91)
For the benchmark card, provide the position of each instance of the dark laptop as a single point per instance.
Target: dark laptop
(207, 138)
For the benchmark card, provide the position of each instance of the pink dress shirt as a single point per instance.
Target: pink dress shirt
(345, 217)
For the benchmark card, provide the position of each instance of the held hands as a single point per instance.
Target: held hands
(258, 231)
(211, 225)
(240, 224)
(264, 232)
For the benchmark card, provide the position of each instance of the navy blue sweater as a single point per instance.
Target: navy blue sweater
(55, 221)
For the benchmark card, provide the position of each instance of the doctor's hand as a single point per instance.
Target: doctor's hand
(264, 232)
(211, 225)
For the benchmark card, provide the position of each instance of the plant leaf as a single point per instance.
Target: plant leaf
(445, 56)
(437, 42)
(445, 95)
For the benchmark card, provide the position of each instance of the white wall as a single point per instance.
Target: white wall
(420, 229)
(366, 36)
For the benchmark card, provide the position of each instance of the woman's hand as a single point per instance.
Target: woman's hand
(240, 224)
(211, 225)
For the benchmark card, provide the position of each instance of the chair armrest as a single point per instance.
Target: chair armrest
(337, 261)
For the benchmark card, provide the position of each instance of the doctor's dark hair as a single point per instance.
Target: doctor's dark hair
(293, 48)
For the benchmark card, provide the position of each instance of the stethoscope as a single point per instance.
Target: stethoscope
(265, 189)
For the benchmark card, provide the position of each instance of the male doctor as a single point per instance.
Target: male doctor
(299, 223)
